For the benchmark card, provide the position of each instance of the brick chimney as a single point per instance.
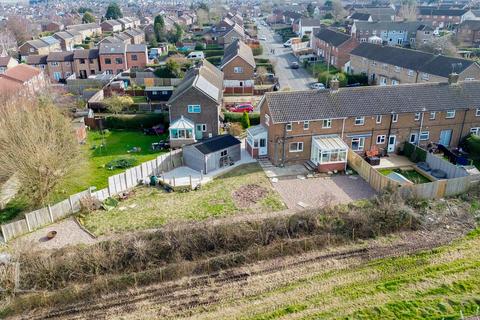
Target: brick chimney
(453, 78)
(334, 84)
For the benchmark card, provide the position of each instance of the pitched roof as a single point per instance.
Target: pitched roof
(112, 22)
(238, 29)
(67, 34)
(112, 48)
(84, 26)
(470, 24)
(205, 77)
(216, 143)
(85, 54)
(238, 49)
(442, 12)
(360, 16)
(37, 59)
(412, 59)
(310, 22)
(134, 32)
(292, 106)
(4, 61)
(136, 47)
(332, 37)
(21, 73)
(60, 56)
(379, 26)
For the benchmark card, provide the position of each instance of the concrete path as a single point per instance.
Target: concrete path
(295, 79)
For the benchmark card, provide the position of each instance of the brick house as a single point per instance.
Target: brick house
(385, 65)
(86, 29)
(68, 39)
(364, 117)
(194, 107)
(6, 63)
(468, 33)
(112, 57)
(37, 61)
(86, 63)
(306, 26)
(137, 56)
(41, 46)
(137, 36)
(53, 27)
(111, 26)
(238, 66)
(444, 18)
(333, 46)
(22, 79)
(60, 65)
(234, 33)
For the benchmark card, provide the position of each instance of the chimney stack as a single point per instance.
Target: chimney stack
(334, 84)
(453, 78)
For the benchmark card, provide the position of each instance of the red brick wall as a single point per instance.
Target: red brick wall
(326, 167)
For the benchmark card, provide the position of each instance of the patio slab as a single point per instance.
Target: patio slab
(394, 161)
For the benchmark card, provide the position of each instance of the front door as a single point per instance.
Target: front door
(83, 74)
(199, 129)
(445, 137)
(413, 138)
(391, 143)
(262, 147)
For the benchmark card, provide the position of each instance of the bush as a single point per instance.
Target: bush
(267, 66)
(261, 60)
(357, 78)
(136, 122)
(245, 120)
(200, 46)
(213, 53)
(122, 163)
(472, 145)
(414, 153)
(257, 51)
(215, 60)
(237, 117)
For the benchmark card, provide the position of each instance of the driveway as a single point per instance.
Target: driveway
(295, 79)
(318, 192)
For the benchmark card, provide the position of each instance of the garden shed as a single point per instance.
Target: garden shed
(212, 154)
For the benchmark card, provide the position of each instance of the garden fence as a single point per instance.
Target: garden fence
(116, 184)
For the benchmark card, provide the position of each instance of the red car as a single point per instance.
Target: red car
(242, 108)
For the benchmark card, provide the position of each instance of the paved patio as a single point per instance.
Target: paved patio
(301, 194)
(272, 171)
(393, 161)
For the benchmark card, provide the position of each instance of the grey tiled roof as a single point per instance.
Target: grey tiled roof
(60, 56)
(367, 101)
(360, 16)
(85, 54)
(36, 59)
(332, 37)
(240, 49)
(412, 59)
(442, 12)
(112, 48)
(380, 26)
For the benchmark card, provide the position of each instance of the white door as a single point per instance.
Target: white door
(262, 146)
(391, 143)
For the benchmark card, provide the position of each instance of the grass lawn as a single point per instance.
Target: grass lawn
(152, 207)
(411, 175)
(139, 99)
(91, 171)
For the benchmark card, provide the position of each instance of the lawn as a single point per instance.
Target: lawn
(411, 175)
(139, 99)
(152, 207)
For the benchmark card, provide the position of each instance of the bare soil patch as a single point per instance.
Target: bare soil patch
(248, 195)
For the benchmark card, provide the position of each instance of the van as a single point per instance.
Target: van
(196, 55)
(291, 41)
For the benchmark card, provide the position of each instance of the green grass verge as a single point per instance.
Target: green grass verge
(152, 207)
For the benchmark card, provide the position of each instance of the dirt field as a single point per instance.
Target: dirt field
(370, 279)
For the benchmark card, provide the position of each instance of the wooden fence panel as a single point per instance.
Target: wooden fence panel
(75, 200)
(450, 169)
(457, 186)
(14, 229)
(38, 218)
(61, 210)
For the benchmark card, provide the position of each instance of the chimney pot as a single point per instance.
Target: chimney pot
(453, 78)
(334, 84)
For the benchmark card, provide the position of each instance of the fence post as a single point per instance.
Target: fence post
(50, 213)
(171, 159)
(28, 223)
(4, 234)
(174, 181)
(71, 204)
(191, 185)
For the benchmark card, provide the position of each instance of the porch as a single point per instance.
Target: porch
(329, 153)
(182, 132)
(256, 144)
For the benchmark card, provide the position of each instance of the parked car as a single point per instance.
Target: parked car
(262, 38)
(158, 129)
(242, 108)
(294, 65)
(317, 86)
(196, 55)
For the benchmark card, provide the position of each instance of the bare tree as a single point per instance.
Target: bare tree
(338, 10)
(8, 42)
(439, 45)
(202, 17)
(408, 12)
(21, 28)
(37, 143)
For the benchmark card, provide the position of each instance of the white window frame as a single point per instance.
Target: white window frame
(410, 73)
(237, 69)
(203, 127)
(475, 131)
(418, 115)
(298, 147)
(450, 114)
(425, 76)
(191, 108)
(289, 126)
(398, 69)
(395, 117)
(361, 143)
(378, 119)
(433, 115)
(424, 135)
(306, 125)
(395, 82)
(359, 121)
(326, 123)
(477, 112)
(267, 120)
(381, 138)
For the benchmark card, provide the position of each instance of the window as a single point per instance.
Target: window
(238, 70)
(54, 63)
(359, 121)
(224, 153)
(108, 61)
(410, 73)
(288, 127)
(385, 66)
(395, 82)
(381, 139)
(267, 120)
(418, 115)
(92, 71)
(383, 81)
(450, 114)
(358, 143)
(296, 147)
(134, 57)
(475, 131)
(91, 61)
(82, 61)
(425, 76)
(194, 108)
(201, 127)
(306, 125)
(432, 115)
(327, 123)
(378, 119)
(394, 117)
(181, 133)
(118, 60)
(477, 112)
(424, 135)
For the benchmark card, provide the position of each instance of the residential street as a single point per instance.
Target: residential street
(295, 79)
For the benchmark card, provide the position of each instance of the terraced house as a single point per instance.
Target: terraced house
(386, 65)
(297, 125)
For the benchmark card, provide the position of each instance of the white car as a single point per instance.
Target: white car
(262, 38)
(317, 86)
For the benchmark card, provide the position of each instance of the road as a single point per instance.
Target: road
(295, 79)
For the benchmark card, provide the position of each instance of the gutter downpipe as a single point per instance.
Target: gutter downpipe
(343, 127)
(283, 145)
(463, 126)
(390, 128)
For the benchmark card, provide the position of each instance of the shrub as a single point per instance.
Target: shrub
(267, 66)
(414, 153)
(121, 163)
(261, 60)
(257, 51)
(213, 53)
(235, 129)
(245, 120)
(215, 60)
(200, 46)
(136, 122)
(357, 78)
(237, 117)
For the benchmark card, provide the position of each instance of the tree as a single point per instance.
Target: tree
(159, 28)
(310, 9)
(113, 11)
(173, 68)
(338, 10)
(202, 17)
(21, 28)
(245, 120)
(439, 45)
(116, 104)
(408, 11)
(84, 9)
(88, 17)
(38, 145)
(7, 41)
(176, 34)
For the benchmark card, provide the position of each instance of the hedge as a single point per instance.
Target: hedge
(213, 47)
(136, 122)
(262, 60)
(215, 60)
(414, 153)
(268, 66)
(237, 117)
(213, 53)
(257, 51)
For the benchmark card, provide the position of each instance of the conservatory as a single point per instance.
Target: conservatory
(181, 132)
(329, 153)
